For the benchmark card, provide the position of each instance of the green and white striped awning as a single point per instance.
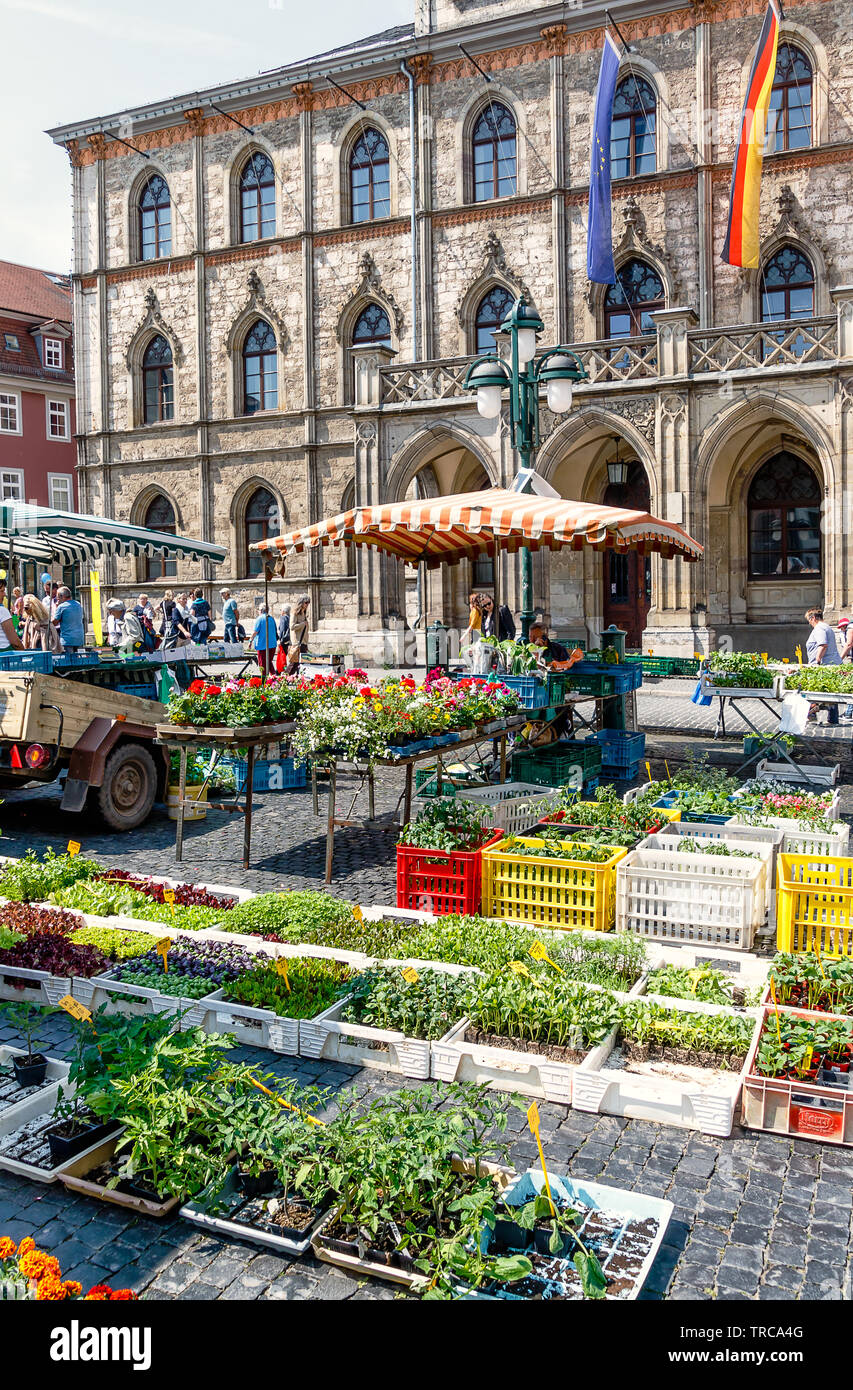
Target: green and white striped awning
(40, 533)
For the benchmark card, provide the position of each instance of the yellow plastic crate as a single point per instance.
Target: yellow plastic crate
(814, 902)
(559, 893)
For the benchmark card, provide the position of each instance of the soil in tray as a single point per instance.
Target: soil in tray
(291, 1219)
(379, 1249)
(104, 1174)
(11, 1092)
(681, 1056)
(30, 1143)
(554, 1051)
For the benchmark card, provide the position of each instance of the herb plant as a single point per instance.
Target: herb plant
(446, 824)
(314, 985)
(424, 1008)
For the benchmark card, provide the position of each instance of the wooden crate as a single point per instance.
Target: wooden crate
(23, 720)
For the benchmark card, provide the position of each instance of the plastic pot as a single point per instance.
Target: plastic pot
(63, 1147)
(256, 1184)
(30, 1071)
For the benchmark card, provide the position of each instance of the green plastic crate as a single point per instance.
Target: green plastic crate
(553, 765)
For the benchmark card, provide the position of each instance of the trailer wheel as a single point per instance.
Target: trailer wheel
(125, 798)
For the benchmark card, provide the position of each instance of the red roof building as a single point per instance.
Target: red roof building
(37, 420)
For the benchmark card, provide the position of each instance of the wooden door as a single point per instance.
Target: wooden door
(628, 576)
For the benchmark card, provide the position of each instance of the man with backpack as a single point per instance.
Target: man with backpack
(201, 622)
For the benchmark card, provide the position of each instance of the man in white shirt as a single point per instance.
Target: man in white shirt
(9, 639)
(822, 650)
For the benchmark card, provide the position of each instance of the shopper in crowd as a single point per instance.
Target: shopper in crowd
(16, 608)
(47, 590)
(201, 622)
(230, 615)
(9, 638)
(821, 650)
(299, 629)
(115, 616)
(39, 632)
(500, 625)
(845, 653)
(177, 630)
(554, 654)
(264, 640)
(70, 620)
(479, 658)
(124, 625)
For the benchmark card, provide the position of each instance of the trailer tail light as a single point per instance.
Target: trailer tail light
(36, 755)
(15, 758)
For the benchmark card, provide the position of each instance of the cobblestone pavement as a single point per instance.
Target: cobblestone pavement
(756, 1216)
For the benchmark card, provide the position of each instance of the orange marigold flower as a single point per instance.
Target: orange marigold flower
(35, 1264)
(122, 1295)
(72, 1288)
(26, 1244)
(51, 1290)
(99, 1292)
(7, 1248)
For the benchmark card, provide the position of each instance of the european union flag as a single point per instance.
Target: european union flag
(599, 238)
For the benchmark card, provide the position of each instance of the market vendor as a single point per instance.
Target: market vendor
(822, 650)
(554, 654)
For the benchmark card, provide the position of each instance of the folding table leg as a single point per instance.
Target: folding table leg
(182, 791)
(247, 828)
(330, 828)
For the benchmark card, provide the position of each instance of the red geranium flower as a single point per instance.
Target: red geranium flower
(196, 687)
(213, 690)
(255, 682)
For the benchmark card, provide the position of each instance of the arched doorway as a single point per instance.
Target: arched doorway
(627, 576)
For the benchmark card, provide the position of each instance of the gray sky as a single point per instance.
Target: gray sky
(67, 60)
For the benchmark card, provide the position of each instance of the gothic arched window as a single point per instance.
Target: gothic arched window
(155, 220)
(257, 198)
(372, 326)
(370, 178)
(632, 132)
(495, 155)
(789, 119)
(787, 286)
(158, 384)
(630, 303)
(784, 520)
(160, 516)
(261, 520)
(260, 369)
(491, 312)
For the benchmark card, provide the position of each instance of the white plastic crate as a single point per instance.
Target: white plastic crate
(528, 1073)
(798, 837)
(330, 1038)
(515, 806)
(253, 1027)
(762, 840)
(119, 997)
(804, 772)
(669, 896)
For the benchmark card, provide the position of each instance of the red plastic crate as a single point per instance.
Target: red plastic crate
(428, 880)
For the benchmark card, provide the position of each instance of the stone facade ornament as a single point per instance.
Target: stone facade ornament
(635, 241)
(639, 411)
(153, 319)
(368, 289)
(673, 407)
(258, 304)
(495, 271)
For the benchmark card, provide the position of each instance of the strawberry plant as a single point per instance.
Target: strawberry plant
(803, 981)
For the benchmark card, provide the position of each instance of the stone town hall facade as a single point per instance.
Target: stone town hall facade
(267, 331)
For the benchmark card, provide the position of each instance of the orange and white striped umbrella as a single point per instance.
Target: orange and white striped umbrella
(444, 530)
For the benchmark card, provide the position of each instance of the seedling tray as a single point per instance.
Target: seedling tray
(228, 1201)
(800, 1109)
(124, 998)
(74, 1176)
(620, 1209)
(330, 1038)
(35, 987)
(37, 1111)
(13, 1097)
(253, 1027)
(504, 1069)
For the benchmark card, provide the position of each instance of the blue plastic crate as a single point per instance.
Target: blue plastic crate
(283, 773)
(145, 692)
(591, 785)
(619, 748)
(532, 691)
(27, 661)
(622, 772)
(77, 659)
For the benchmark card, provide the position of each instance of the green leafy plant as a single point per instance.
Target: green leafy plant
(543, 1009)
(424, 1008)
(722, 848)
(700, 982)
(27, 1020)
(314, 985)
(34, 879)
(447, 824)
(114, 943)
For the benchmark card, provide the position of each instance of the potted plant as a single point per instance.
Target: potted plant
(76, 1127)
(31, 1068)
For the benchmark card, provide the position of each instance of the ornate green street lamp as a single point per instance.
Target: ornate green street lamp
(523, 374)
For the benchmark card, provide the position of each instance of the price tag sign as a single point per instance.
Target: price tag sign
(538, 952)
(533, 1121)
(410, 975)
(281, 967)
(73, 1007)
(73, 847)
(163, 947)
(519, 968)
(533, 1117)
(649, 771)
(357, 913)
(169, 897)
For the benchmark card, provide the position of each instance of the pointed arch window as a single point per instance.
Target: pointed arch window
(491, 312)
(257, 198)
(155, 220)
(261, 520)
(630, 303)
(347, 504)
(632, 132)
(789, 119)
(787, 286)
(260, 369)
(160, 516)
(784, 520)
(370, 177)
(158, 382)
(372, 326)
(494, 144)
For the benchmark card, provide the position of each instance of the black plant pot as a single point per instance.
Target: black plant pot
(30, 1071)
(510, 1236)
(63, 1148)
(541, 1239)
(256, 1184)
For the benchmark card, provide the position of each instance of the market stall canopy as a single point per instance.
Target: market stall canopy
(41, 533)
(445, 530)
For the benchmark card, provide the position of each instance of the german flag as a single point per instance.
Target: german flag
(741, 246)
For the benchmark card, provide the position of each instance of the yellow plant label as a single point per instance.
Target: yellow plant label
(410, 975)
(169, 897)
(357, 913)
(538, 952)
(282, 968)
(73, 847)
(73, 1007)
(649, 771)
(163, 947)
(519, 968)
(668, 773)
(533, 1117)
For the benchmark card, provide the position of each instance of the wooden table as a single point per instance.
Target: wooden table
(186, 738)
(408, 762)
